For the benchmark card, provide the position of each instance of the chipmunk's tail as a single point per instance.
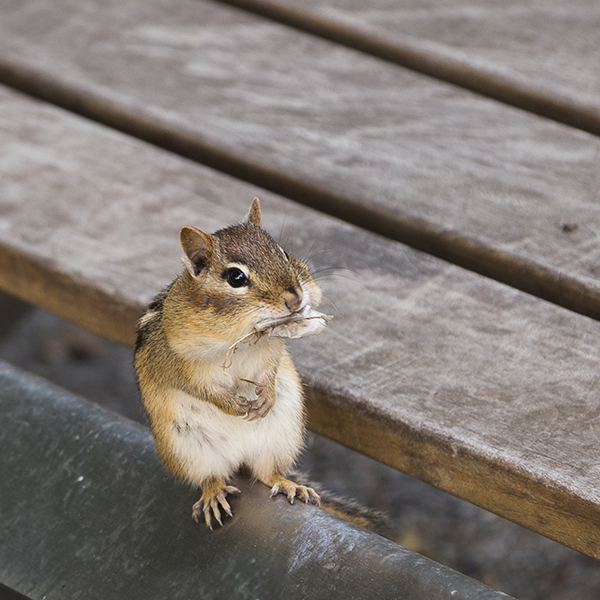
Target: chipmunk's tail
(351, 510)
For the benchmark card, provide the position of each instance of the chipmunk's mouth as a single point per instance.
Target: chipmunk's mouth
(301, 323)
(298, 324)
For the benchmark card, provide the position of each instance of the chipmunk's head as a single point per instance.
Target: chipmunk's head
(243, 278)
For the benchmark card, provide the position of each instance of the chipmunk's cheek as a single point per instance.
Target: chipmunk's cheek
(224, 303)
(201, 300)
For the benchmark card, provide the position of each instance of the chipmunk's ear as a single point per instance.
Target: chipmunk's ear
(197, 249)
(253, 215)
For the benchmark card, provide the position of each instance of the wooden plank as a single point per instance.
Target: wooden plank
(115, 525)
(541, 56)
(483, 185)
(473, 386)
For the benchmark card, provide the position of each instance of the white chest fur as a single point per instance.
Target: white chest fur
(209, 442)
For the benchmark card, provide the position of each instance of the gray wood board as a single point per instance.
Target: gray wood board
(481, 184)
(542, 56)
(473, 386)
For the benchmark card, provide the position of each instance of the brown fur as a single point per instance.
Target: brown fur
(183, 349)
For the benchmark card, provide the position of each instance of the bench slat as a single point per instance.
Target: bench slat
(473, 386)
(486, 186)
(540, 56)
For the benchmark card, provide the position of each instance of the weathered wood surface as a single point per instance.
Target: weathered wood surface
(89, 512)
(542, 56)
(487, 186)
(468, 384)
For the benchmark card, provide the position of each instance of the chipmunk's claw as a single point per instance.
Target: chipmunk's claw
(293, 490)
(259, 407)
(212, 500)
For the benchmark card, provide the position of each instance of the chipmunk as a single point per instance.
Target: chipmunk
(215, 377)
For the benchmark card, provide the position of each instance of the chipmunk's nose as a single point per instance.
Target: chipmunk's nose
(293, 299)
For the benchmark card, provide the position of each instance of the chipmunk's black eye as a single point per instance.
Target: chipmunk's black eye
(235, 277)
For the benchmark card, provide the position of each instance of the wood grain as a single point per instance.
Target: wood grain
(473, 386)
(540, 56)
(486, 186)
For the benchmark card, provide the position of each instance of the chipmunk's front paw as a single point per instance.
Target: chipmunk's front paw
(238, 406)
(265, 399)
(281, 485)
(261, 406)
(213, 497)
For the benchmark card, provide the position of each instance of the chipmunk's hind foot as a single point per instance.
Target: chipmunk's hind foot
(281, 485)
(212, 500)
